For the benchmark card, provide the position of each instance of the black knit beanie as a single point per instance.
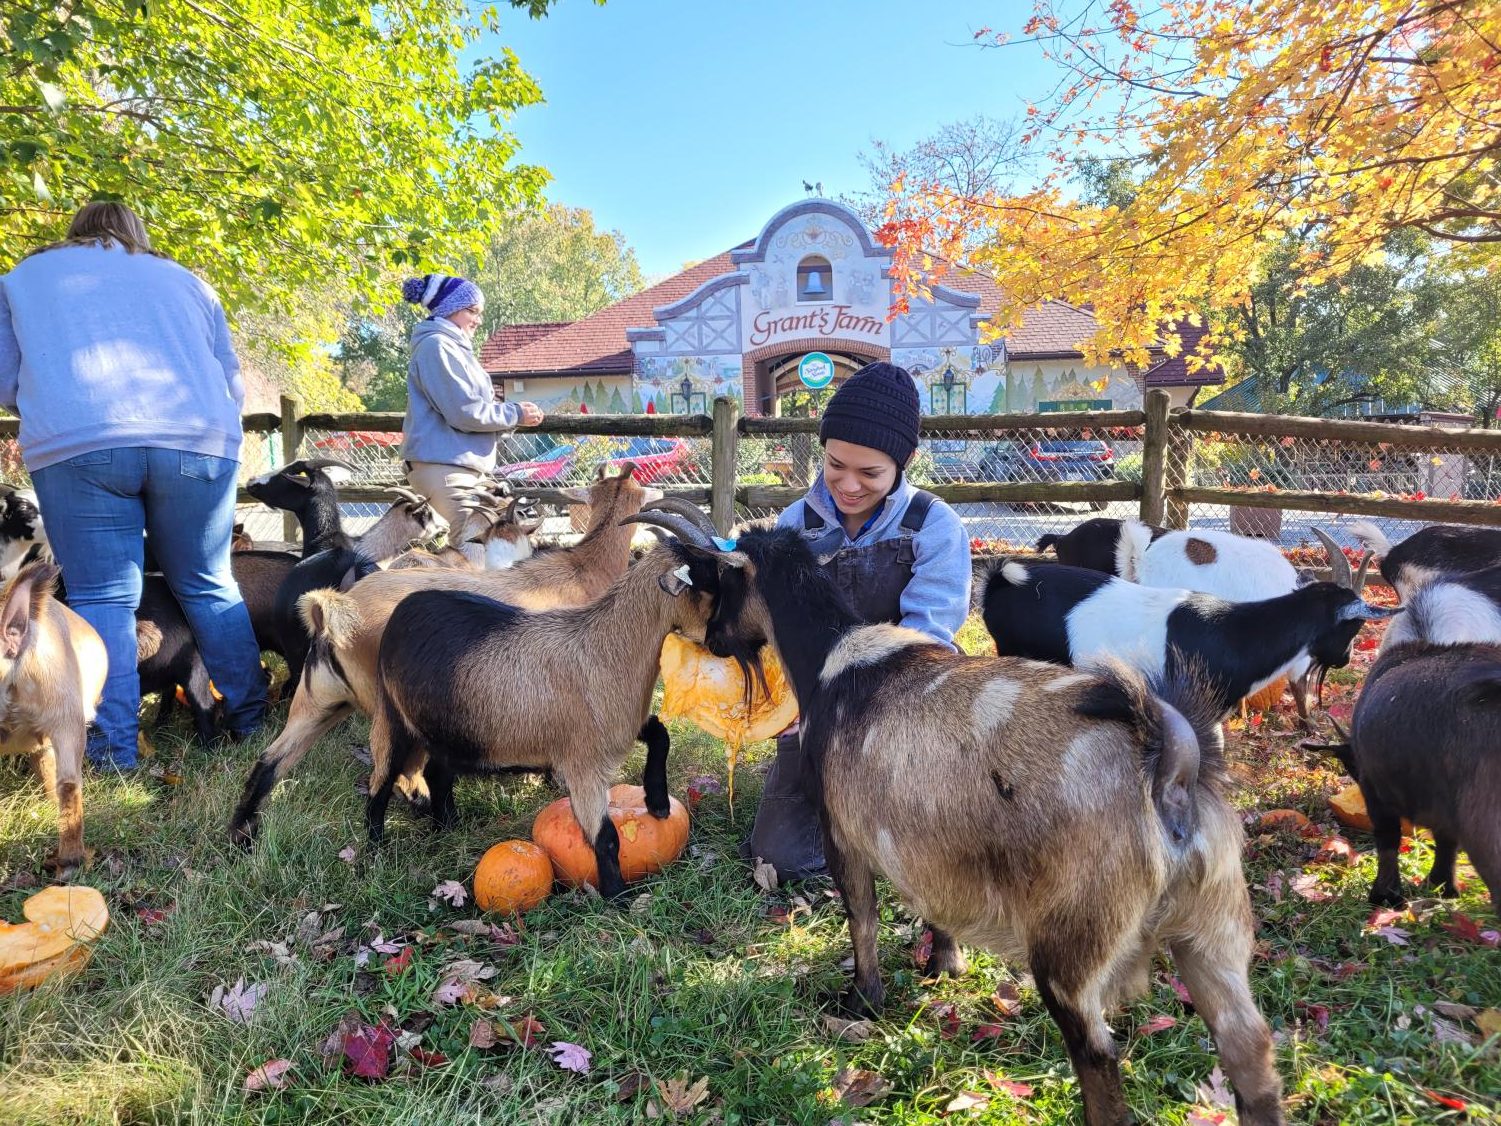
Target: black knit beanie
(876, 407)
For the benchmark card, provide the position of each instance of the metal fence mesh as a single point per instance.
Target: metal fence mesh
(1373, 470)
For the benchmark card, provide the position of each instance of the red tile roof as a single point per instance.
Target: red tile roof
(510, 337)
(1173, 371)
(597, 344)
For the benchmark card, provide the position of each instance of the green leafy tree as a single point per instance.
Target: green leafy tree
(553, 265)
(267, 147)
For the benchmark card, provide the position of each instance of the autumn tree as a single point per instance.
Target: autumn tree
(1247, 122)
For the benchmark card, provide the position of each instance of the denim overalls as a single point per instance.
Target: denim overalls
(786, 833)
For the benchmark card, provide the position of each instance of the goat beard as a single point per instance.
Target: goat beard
(1308, 690)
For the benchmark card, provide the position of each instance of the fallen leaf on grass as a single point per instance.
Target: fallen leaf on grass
(948, 1019)
(1454, 1010)
(1447, 1032)
(1215, 1091)
(853, 1031)
(1317, 1014)
(570, 1057)
(857, 1087)
(1462, 926)
(153, 916)
(270, 1076)
(1335, 850)
(1489, 1022)
(765, 876)
(467, 969)
(1395, 935)
(1160, 1023)
(1201, 1119)
(482, 1034)
(346, 854)
(1009, 1086)
(967, 1100)
(453, 892)
(1447, 1100)
(629, 1086)
(451, 991)
(988, 1032)
(1382, 916)
(1306, 884)
(367, 1050)
(428, 1059)
(1273, 886)
(524, 1033)
(1182, 991)
(679, 1096)
(1007, 999)
(239, 1001)
(502, 934)
(923, 950)
(400, 963)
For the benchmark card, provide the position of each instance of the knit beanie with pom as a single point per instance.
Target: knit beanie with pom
(442, 294)
(876, 407)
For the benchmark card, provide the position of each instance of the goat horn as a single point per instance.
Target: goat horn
(1337, 561)
(325, 462)
(1365, 563)
(683, 508)
(407, 495)
(680, 526)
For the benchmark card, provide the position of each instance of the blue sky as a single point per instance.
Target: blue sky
(685, 125)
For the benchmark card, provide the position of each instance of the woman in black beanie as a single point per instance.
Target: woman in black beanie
(898, 553)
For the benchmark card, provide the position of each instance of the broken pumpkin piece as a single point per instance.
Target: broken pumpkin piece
(710, 692)
(1350, 811)
(61, 921)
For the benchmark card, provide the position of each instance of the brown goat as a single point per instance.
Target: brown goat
(52, 671)
(341, 669)
(577, 690)
(1075, 822)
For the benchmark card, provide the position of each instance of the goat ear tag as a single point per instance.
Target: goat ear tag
(675, 582)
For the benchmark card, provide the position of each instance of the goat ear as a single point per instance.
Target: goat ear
(675, 582)
(23, 599)
(350, 577)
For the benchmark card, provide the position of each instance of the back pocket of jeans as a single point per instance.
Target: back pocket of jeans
(204, 467)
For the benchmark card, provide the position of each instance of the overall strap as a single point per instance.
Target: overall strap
(917, 512)
(812, 521)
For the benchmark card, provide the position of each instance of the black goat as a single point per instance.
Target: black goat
(1430, 553)
(1095, 545)
(1425, 744)
(1071, 616)
(978, 786)
(22, 537)
(309, 490)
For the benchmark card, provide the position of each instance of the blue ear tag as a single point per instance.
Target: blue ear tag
(724, 545)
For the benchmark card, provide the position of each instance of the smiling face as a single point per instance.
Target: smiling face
(859, 478)
(468, 319)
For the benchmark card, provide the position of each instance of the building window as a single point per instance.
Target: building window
(815, 280)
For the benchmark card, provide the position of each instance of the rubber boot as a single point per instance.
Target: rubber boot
(786, 833)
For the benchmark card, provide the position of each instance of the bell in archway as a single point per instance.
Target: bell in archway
(815, 286)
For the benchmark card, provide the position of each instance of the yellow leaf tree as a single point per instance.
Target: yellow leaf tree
(1247, 122)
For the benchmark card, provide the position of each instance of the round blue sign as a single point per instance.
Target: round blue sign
(816, 371)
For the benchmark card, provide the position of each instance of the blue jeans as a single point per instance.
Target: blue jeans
(95, 508)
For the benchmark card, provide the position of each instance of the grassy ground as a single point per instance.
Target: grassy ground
(704, 976)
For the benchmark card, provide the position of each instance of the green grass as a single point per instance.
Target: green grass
(702, 975)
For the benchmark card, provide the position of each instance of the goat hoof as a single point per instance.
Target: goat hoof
(950, 962)
(1387, 897)
(854, 1004)
(63, 868)
(242, 835)
(661, 814)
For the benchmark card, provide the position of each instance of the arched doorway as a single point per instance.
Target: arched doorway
(772, 373)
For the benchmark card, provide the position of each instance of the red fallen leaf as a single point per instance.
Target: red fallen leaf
(152, 916)
(1335, 850)
(270, 1076)
(1382, 917)
(1011, 1087)
(367, 1050)
(1462, 926)
(923, 950)
(428, 1059)
(1366, 643)
(1007, 999)
(1447, 1100)
(1318, 1014)
(524, 1033)
(400, 962)
(948, 1019)
(988, 1032)
(1160, 1023)
(1182, 991)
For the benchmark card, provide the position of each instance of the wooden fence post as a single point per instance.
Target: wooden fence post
(1177, 472)
(1154, 441)
(724, 450)
(291, 441)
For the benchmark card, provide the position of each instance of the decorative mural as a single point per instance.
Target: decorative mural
(604, 395)
(686, 384)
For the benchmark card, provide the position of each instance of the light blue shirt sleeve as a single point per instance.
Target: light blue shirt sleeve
(10, 356)
(936, 600)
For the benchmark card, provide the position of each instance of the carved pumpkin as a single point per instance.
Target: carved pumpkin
(710, 691)
(647, 844)
(512, 877)
(1350, 811)
(61, 922)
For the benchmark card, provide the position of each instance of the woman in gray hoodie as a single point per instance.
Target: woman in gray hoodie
(452, 414)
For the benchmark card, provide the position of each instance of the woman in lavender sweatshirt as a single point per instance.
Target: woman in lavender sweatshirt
(119, 363)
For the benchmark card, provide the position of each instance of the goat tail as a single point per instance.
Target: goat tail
(1046, 543)
(1130, 549)
(329, 616)
(1371, 536)
(1175, 719)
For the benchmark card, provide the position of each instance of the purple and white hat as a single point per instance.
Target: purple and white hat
(442, 294)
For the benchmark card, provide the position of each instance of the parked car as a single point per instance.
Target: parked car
(551, 467)
(1050, 460)
(655, 458)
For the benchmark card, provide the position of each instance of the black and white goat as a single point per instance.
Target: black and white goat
(1096, 545)
(978, 786)
(1425, 744)
(1071, 616)
(1430, 553)
(1457, 609)
(22, 537)
(308, 488)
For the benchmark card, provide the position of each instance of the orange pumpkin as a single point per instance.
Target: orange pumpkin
(512, 877)
(1268, 698)
(1350, 811)
(647, 844)
(61, 921)
(710, 692)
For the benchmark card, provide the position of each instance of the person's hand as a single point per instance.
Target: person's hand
(531, 414)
